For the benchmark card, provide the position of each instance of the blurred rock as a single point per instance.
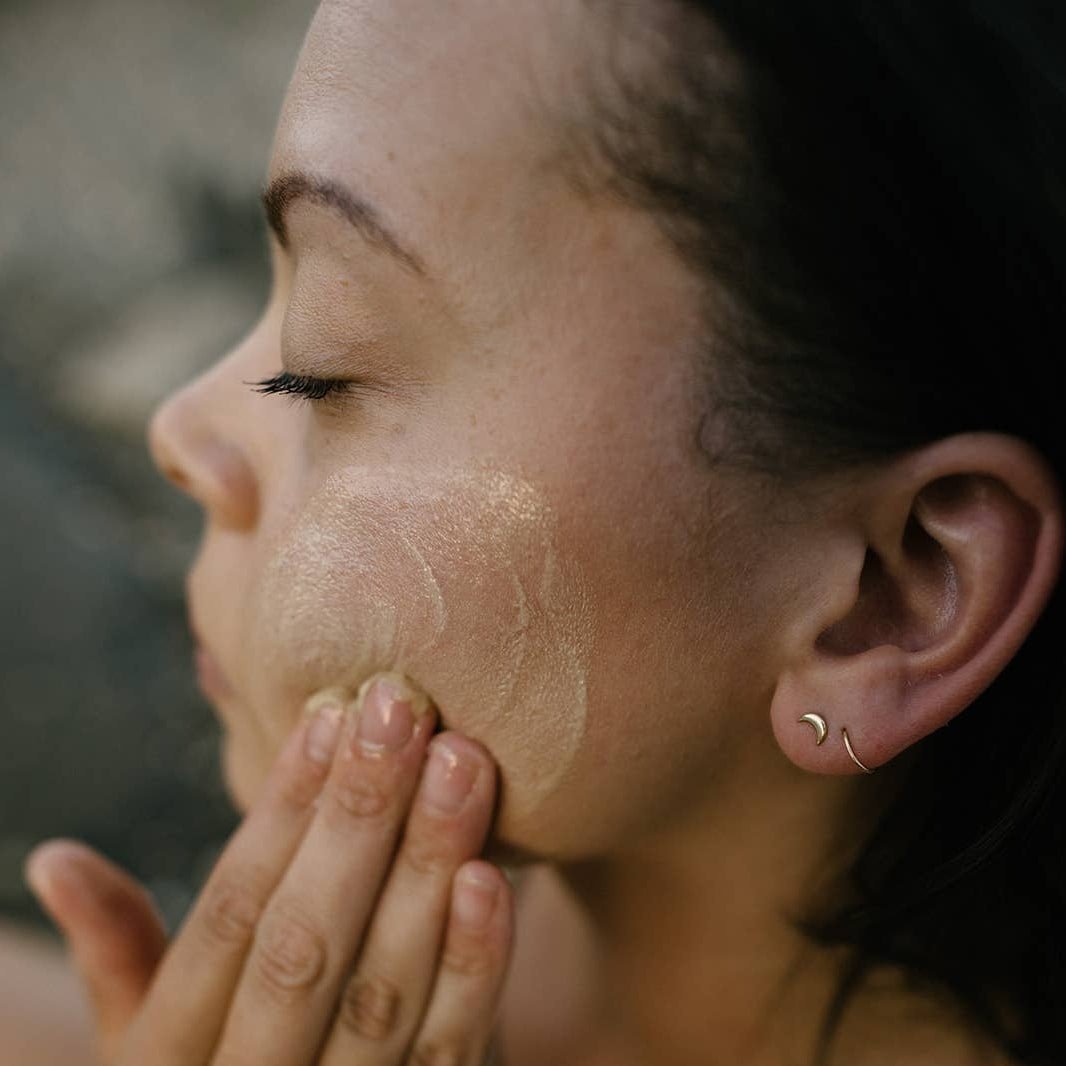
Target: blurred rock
(133, 139)
(154, 345)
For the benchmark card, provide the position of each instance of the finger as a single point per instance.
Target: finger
(114, 932)
(187, 1004)
(458, 1025)
(318, 914)
(386, 994)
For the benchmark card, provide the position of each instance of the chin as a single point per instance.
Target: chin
(511, 856)
(242, 780)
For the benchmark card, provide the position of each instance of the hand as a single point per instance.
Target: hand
(316, 940)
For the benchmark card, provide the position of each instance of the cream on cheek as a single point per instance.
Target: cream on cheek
(456, 579)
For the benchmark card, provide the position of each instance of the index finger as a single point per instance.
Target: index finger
(189, 999)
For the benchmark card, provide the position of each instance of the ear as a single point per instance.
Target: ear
(927, 585)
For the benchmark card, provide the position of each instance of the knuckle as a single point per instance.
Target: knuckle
(428, 856)
(437, 1055)
(370, 1007)
(468, 959)
(358, 795)
(299, 788)
(289, 956)
(231, 912)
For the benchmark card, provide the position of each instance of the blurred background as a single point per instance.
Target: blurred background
(134, 135)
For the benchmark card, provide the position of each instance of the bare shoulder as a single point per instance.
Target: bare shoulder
(43, 1016)
(924, 1049)
(902, 1026)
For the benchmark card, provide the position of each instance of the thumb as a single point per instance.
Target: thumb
(113, 929)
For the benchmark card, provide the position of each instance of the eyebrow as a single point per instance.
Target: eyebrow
(286, 189)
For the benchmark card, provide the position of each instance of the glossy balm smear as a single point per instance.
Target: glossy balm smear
(455, 580)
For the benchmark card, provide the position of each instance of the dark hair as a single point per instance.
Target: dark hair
(876, 195)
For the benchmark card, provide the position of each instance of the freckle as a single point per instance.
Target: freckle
(473, 419)
(391, 157)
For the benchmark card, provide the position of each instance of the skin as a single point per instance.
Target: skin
(518, 419)
(44, 1017)
(520, 517)
(324, 934)
(400, 548)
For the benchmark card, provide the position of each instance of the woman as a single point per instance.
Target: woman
(670, 409)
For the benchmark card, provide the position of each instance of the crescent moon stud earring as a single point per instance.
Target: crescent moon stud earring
(821, 730)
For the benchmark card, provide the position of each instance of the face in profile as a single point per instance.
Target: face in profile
(501, 491)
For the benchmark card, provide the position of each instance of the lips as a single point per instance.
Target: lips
(213, 682)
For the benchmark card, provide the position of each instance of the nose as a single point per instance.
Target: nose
(193, 448)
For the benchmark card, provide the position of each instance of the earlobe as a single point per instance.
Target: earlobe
(964, 540)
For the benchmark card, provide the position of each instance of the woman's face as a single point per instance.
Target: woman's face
(514, 509)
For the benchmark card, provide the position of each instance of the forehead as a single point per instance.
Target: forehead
(429, 106)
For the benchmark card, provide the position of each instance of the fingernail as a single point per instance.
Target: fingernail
(475, 899)
(387, 708)
(53, 862)
(449, 778)
(320, 741)
(37, 874)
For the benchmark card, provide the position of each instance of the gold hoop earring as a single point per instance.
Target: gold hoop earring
(821, 730)
(851, 752)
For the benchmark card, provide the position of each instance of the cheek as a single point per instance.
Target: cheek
(458, 581)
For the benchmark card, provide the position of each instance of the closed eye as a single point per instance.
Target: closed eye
(301, 385)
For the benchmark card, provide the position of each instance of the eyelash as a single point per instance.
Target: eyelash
(302, 386)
